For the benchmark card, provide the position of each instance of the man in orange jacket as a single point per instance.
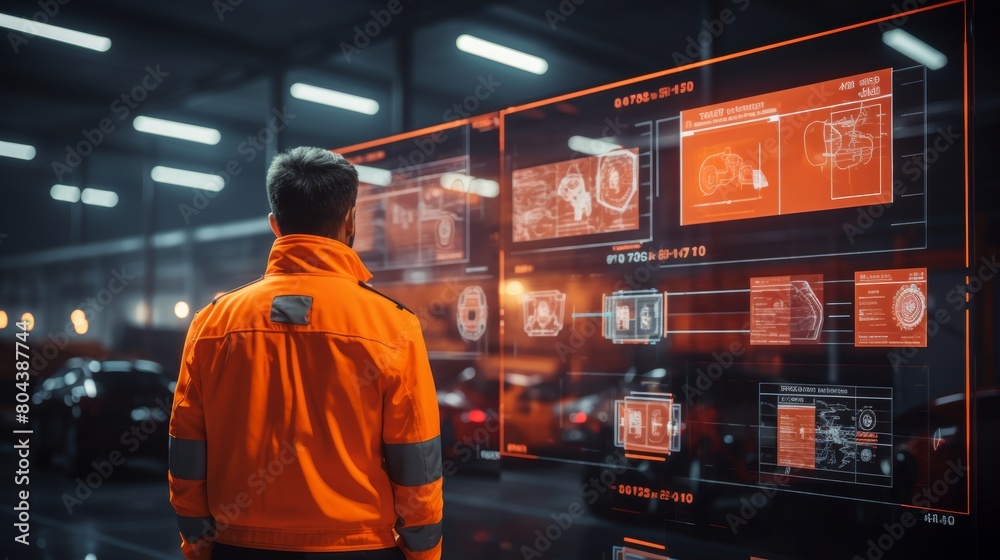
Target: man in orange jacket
(305, 420)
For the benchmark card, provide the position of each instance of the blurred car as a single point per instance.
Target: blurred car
(91, 410)
(532, 404)
(470, 422)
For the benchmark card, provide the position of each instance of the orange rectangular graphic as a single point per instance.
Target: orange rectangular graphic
(584, 196)
(770, 316)
(646, 424)
(891, 307)
(804, 149)
(786, 309)
(797, 436)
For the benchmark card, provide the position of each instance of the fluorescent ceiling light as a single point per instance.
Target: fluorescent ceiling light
(185, 178)
(98, 197)
(467, 184)
(915, 48)
(591, 146)
(65, 193)
(173, 129)
(78, 38)
(502, 54)
(333, 98)
(17, 151)
(374, 175)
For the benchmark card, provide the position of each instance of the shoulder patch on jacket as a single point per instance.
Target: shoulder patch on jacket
(370, 289)
(216, 298)
(291, 310)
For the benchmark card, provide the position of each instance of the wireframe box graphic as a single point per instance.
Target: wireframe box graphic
(634, 317)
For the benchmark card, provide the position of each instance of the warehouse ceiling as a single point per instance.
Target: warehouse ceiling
(229, 64)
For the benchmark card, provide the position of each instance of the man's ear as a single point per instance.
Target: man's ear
(274, 224)
(350, 222)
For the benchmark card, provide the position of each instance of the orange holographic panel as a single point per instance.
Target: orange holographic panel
(817, 147)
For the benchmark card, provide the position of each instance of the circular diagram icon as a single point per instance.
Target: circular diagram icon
(617, 179)
(471, 313)
(908, 307)
(866, 455)
(866, 419)
(445, 230)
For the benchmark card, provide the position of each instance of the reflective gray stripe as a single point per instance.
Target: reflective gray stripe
(414, 464)
(194, 529)
(291, 310)
(419, 539)
(188, 458)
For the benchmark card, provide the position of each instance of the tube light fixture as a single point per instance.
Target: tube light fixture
(473, 185)
(374, 175)
(591, 146)
(173, 129)
(502, 54)
(17, 151)
(65, 193)
(185, 178)
(334, 98)
(915, 48)
(61, 34)
(99, 197)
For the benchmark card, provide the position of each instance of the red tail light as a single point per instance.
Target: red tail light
(578, 417)
(477, 416)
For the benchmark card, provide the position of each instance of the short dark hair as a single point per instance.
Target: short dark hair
(310, 190)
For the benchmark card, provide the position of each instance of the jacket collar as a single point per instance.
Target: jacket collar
(311, 254)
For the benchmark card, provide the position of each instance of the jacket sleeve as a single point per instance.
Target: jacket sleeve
(411, 434)
(188, 454)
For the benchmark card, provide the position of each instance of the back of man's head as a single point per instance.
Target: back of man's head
(311, 190)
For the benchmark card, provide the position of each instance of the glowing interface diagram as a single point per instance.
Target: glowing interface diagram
(471, 313)
(413, 221)
(891, 307)
(779, 153)
(583, 196)
(634, 317)
(543, 312)
(648, 422)
(786, 309)
(827, 432)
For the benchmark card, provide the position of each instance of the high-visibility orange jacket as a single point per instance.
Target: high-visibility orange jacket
(305, 416)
